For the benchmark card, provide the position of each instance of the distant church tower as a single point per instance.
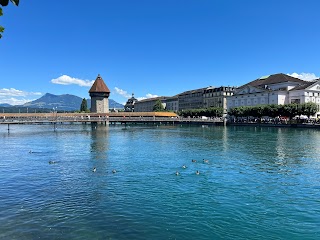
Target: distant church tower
(99, 93)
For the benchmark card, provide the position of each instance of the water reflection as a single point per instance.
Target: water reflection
(99, 139)
(99, 146)
(280, 149)
(225, 139)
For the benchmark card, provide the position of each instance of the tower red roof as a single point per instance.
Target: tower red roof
(99, 86)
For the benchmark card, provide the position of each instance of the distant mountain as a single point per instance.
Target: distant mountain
(64, 102)
(5, 105)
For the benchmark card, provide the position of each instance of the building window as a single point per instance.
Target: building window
(295, 101)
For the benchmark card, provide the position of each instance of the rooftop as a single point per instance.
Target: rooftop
(152, 99)
(273, 79)
(305, 85)
(99, 86)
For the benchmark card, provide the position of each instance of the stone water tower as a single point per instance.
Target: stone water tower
(99, 93)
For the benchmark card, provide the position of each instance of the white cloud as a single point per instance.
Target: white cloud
(14, 96)
(149, 95)
(15, 101)
(5, 92)
(122, 92)
(141, 98)
(125, 94)
(67, 80)
(304, 76)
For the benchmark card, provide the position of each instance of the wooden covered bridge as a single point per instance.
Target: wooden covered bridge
(103, 118)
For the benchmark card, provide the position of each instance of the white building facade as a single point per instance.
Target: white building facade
(276, 89)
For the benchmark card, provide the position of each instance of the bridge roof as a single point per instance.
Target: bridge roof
(99, 86)
(110, 114)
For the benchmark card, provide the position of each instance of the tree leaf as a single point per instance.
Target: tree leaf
(15, 2)
(1, 30)
(4, 2)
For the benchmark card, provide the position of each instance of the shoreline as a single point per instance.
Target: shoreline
(288, 125)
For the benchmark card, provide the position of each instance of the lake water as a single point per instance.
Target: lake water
(259, 183)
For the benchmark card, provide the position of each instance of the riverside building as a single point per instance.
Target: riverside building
(129, 106)
(192, 99)
(205, 98)
(276, 89)
(172, 104)
(146, 105)
(217, 97)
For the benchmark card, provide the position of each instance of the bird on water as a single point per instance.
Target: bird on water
(94, 169)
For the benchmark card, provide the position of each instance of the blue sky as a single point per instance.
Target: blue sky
(153, 47)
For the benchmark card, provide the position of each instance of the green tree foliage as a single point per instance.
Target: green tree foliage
(1, 28)
(258, 111)
(158, 107)
(308, 109)
(273, 110)
(289, 110)
(83, 107)
(242, 111)
(5, 3)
